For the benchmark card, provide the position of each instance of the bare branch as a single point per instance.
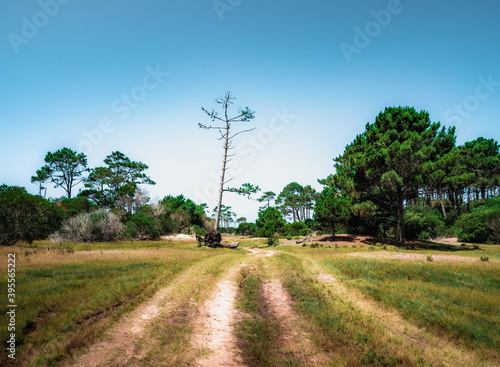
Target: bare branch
(241, 132)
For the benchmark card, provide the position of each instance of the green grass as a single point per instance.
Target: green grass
(460, 299)
(62, 297)
(256, 332)
(355, 338)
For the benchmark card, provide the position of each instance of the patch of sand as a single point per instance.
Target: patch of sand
(179, 237)
(214, 333)
(259, 252)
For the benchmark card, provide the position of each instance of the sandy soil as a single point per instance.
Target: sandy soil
(259, 252)
(179, 237)
(214, 330)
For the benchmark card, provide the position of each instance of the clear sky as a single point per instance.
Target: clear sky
(100, 76)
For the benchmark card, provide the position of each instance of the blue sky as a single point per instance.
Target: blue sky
(99, 76)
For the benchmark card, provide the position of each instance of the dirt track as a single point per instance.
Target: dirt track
(212, 341)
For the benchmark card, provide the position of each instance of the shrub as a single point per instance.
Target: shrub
(315, 245)
(474, 227)
(484, 258)
(270, 222)
(26, 217)
(97, 226)
(144, 226)
(247, 229)
(295, 229)
(199, 231)
(288, 237)
(429, 258)
(423, 222)
(77, 205)
(482, 224)
(493, 225)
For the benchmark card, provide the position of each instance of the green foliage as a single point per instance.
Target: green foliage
(332, 208)
(247, 229)
(295, 229)
(296, 201)
(144, 226)
(266, 198)
(116, 184)
(77, 205)
(180, 213)
(199, 231)
(270, 222)
(480, 225)
(64, 168)
(25, 217)
(386, 163)
(245, 189)
(423, 222)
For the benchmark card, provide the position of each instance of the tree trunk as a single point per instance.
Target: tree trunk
(400, 228)
(221, 189)
(443, 209)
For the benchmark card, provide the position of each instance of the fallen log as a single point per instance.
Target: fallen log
(213, 239)
(308, 238)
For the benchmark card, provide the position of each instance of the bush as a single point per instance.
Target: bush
(97, 226)
(270, 222)
(144, 226)
(77, 205)
(484, 258)
(26, 217)
(247, 229)
(423, 222)
(199, 231)
(295, 229)
(475, 226)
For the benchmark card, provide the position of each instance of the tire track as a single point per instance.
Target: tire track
(295, 343)
(215, 337)
(121, 344)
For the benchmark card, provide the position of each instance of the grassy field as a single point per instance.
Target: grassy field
(354, 305)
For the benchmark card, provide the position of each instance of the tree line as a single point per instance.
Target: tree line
(404, 176)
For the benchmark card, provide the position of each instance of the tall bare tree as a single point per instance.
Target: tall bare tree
(226, 135)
